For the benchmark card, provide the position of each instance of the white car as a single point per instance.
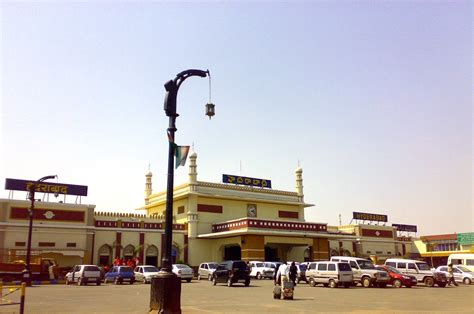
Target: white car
(144, 273)
(260, 271)
(183, 271)
(461, 273)
(84, 274)
(206, 270)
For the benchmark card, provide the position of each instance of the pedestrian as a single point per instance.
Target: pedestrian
(293, 272)
(275, 275)
(282, 274)
(451, 275)
(249, 267)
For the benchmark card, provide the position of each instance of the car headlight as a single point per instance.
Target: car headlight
(406, 277)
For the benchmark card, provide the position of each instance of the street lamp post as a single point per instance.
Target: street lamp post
(165, 296)
(27, 271)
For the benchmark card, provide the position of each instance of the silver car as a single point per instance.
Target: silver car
(206, 270)
(183, 271)
(144, 273)
(461, 273)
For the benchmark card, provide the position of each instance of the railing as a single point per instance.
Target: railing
(11, 290)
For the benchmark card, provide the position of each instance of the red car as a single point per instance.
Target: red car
(397, 279)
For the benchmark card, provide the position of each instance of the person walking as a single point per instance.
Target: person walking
(275, 275)
(451, 275)
(293, 273)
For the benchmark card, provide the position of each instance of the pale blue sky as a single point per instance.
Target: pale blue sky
(374, 99)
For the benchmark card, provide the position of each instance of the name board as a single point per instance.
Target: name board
(45, 187)
(263, 183)
(369, 216)
(466, 238)
(409, 228)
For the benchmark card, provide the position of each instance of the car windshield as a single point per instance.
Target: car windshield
(150, 269)
(126, 270)
(259, 264)
(364, 264)
(423, 266)
(212, 266)
(91, 268)
(181, 266)
(393, 270)
(239, 265)
(463, 269)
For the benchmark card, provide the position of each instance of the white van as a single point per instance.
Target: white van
(419, 269)
(329, 274)
(364, 271)
(466, 260)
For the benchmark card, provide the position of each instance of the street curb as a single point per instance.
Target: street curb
(38, 282)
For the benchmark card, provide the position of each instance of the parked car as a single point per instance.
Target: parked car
(183, 271)
(420, 270)
(260, 271)
(330, 274)
(364, 271)
(272, 266)
(83, 274)
(205, 270)
(120, 274)
(144, 273)
(231, 272)
(461, 273)
(397, 279)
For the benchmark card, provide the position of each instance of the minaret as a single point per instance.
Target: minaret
(299, 183)
(148, 188)
(192, 200)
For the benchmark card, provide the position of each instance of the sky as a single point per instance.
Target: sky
(372, 99)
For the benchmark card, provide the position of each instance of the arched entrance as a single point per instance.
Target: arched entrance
(105, 255)
(151, 256)
(129, 252)
(232, 252)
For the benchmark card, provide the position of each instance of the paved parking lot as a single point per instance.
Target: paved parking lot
(202, 297)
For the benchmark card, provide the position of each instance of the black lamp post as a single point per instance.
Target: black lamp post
(27, 272)
(165, 294)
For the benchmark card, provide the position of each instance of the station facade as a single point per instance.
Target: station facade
(211, 222)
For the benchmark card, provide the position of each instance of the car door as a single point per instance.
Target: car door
(412, 270)
(221, 273)
(458, 275)
(321, 273)
(139, 273)
(355, 270)
(76, 273)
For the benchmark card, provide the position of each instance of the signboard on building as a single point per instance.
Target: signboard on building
(263, 183)
(408, 228)
(466, 238)
(369, 216)
(45, 187)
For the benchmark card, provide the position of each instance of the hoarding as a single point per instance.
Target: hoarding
(263, 183)
(45, 187)
(369, 216)
(409, 228)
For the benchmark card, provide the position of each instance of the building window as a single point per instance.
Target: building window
(20, 243)
(46, 244)
(388, 252)
(71, 244)
(287, 214)
(368, 252)
(209, 208)
(180, 210)
(378, 252)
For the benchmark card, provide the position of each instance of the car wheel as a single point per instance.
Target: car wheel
(188, 280)
(429, 282)
(80, 282)
(214, 281)
(312, 283)
(397, 283)
(259, 276)
(229, 282)
(332, 284)
(366, 282)
(144, 280)
(466, 281)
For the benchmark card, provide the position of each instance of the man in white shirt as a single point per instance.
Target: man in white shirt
(282, 273)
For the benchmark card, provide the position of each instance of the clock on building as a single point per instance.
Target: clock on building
(251, 210)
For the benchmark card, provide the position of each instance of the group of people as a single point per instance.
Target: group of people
(131, 262)
(285, 272)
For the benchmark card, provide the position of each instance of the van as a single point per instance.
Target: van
(421, 270)
(330, 274)
(364, 271)
(466, 260)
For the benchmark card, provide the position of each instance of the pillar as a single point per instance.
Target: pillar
(252, 248)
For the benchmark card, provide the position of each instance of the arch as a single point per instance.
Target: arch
(129, 251)
(105, 255)
(151, 255)
(334, 252)
(152, 251)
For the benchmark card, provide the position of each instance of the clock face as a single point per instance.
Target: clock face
(252, 210)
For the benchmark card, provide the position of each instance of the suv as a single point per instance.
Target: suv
(364, 271)
(260, 271)
(419, 269)
(83, 274)
(330, 274)
(206, 269)
(119, 274)
(231, 272)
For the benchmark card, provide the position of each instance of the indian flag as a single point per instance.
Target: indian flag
(181, 153)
